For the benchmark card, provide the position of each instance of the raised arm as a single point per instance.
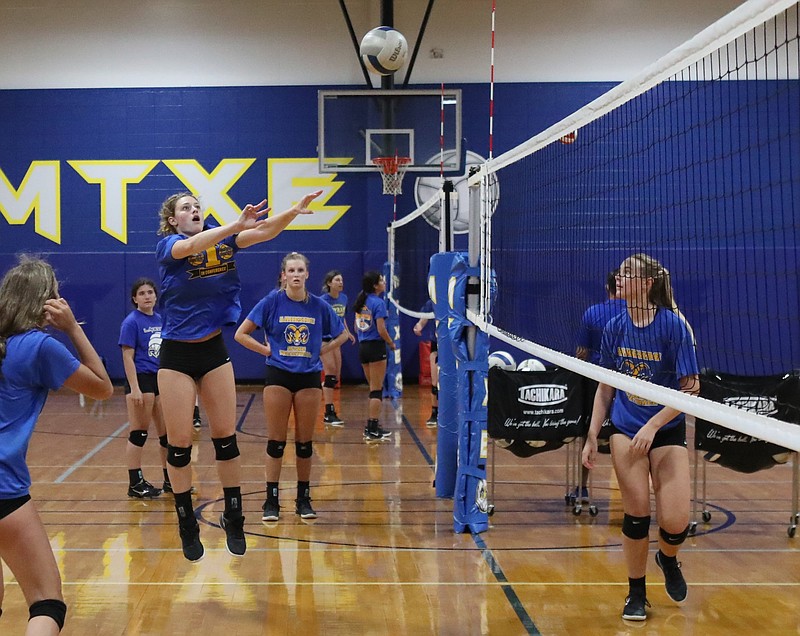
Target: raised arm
(248, 219)
(269, 228)
(91, 377)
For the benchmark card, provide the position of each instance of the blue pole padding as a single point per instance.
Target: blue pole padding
(393, 380)
(447, 435)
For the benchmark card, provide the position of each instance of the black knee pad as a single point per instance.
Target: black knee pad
(673, 539)
(434, 390)
(226, 447)
(275, 449)
(55, 609)
(330, 382)
(376, 395)
(162, 439)
(304, 450)
(635, 527)
(179, 457)
(137, 438)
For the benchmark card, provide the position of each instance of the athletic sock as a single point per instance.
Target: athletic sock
(183, 506)
(233, 502)
(135, 476)
(303, 490)
(329, 410)
(637, 587)
(272, 491)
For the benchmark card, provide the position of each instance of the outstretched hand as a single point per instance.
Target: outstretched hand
(252, 214)
(301, 207)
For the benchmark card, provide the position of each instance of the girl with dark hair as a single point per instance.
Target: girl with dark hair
(199, 295)
(333, 294)
(140, 342)
(651, 341)
(373, 338)
(295, 324)
(32, 363)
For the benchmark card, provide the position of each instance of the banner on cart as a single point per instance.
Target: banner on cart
(774, 396)
(535, 405)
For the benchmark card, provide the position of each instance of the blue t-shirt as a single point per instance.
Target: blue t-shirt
(142, 333)
(339, 305)
(367, 317)
(661, 353)
(295, 329)
(594, 320)
(200, 293)
(429, 330)
(35, 363)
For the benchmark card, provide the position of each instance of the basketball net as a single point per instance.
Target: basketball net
(392, 170)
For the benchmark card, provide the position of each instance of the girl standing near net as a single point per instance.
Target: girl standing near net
(295, 323)
(140, 341)
(332, 360)
(651, 341)
(199, 294)
(31, 364)
(373, 338)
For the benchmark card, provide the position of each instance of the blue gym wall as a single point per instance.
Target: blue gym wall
(210, 125)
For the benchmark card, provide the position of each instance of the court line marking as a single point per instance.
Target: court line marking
(508, 588)
(240, 583)
(90, 454)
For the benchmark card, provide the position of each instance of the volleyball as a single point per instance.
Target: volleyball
(502, 359)
(384, 50)
(531, 364)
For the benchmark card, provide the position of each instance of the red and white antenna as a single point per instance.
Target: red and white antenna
(491, 89)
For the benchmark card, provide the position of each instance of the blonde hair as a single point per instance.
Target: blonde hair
(23, 292)
(168, 210)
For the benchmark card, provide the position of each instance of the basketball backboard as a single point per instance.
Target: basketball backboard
(356, 126)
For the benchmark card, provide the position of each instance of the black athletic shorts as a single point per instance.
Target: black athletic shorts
(434, 346)
(7, 506)
(293, 381)
(194, 359)
(372, 351)
(675, 436)
(148, 383)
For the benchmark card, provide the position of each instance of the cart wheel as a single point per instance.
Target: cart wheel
(692, 528)
(792, 530)
(569, 499)
(490, 510)
(577, 510)
(706, 516)
(593, 510)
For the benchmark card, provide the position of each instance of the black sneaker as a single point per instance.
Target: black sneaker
(166, 486)
(331, 419)
(234, 534)
(304, 509)
(272, 511)
(144, 490)
(190, 539)
(375, 435)
(433, 420)
(673, 578)
(635, 608)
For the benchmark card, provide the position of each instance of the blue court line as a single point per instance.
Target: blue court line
(240, 423)
(497, 571)
(90, 454)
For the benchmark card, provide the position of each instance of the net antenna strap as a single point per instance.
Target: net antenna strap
(392, 171)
